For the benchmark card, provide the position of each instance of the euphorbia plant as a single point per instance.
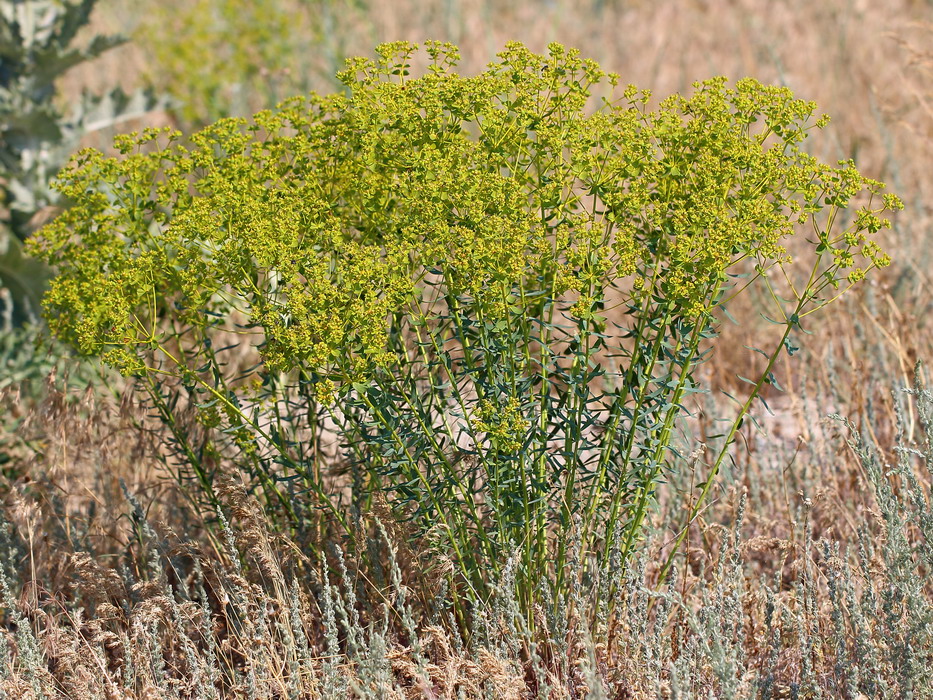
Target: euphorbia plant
(493, 294)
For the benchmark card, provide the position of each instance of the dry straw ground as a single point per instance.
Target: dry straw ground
(808, 576)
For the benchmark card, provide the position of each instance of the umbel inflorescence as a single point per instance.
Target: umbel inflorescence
(495, 286)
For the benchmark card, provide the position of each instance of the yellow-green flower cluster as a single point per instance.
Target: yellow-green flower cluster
(504, 425)
(315, 225)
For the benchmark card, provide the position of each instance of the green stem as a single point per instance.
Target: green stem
(730, 438)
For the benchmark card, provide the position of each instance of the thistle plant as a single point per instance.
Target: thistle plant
(494, 292)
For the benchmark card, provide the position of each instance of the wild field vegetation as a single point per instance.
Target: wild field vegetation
(479, 375)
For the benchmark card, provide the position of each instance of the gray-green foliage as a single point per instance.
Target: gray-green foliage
(22, 280)
(37, 136)
(900, 597)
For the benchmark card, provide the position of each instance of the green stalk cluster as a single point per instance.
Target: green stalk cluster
(493, 291)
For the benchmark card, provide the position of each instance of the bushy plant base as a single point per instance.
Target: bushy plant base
(102, 602)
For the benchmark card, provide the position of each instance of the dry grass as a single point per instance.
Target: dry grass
(808, 577)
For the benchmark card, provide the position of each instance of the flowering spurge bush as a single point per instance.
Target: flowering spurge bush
(495, 295)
